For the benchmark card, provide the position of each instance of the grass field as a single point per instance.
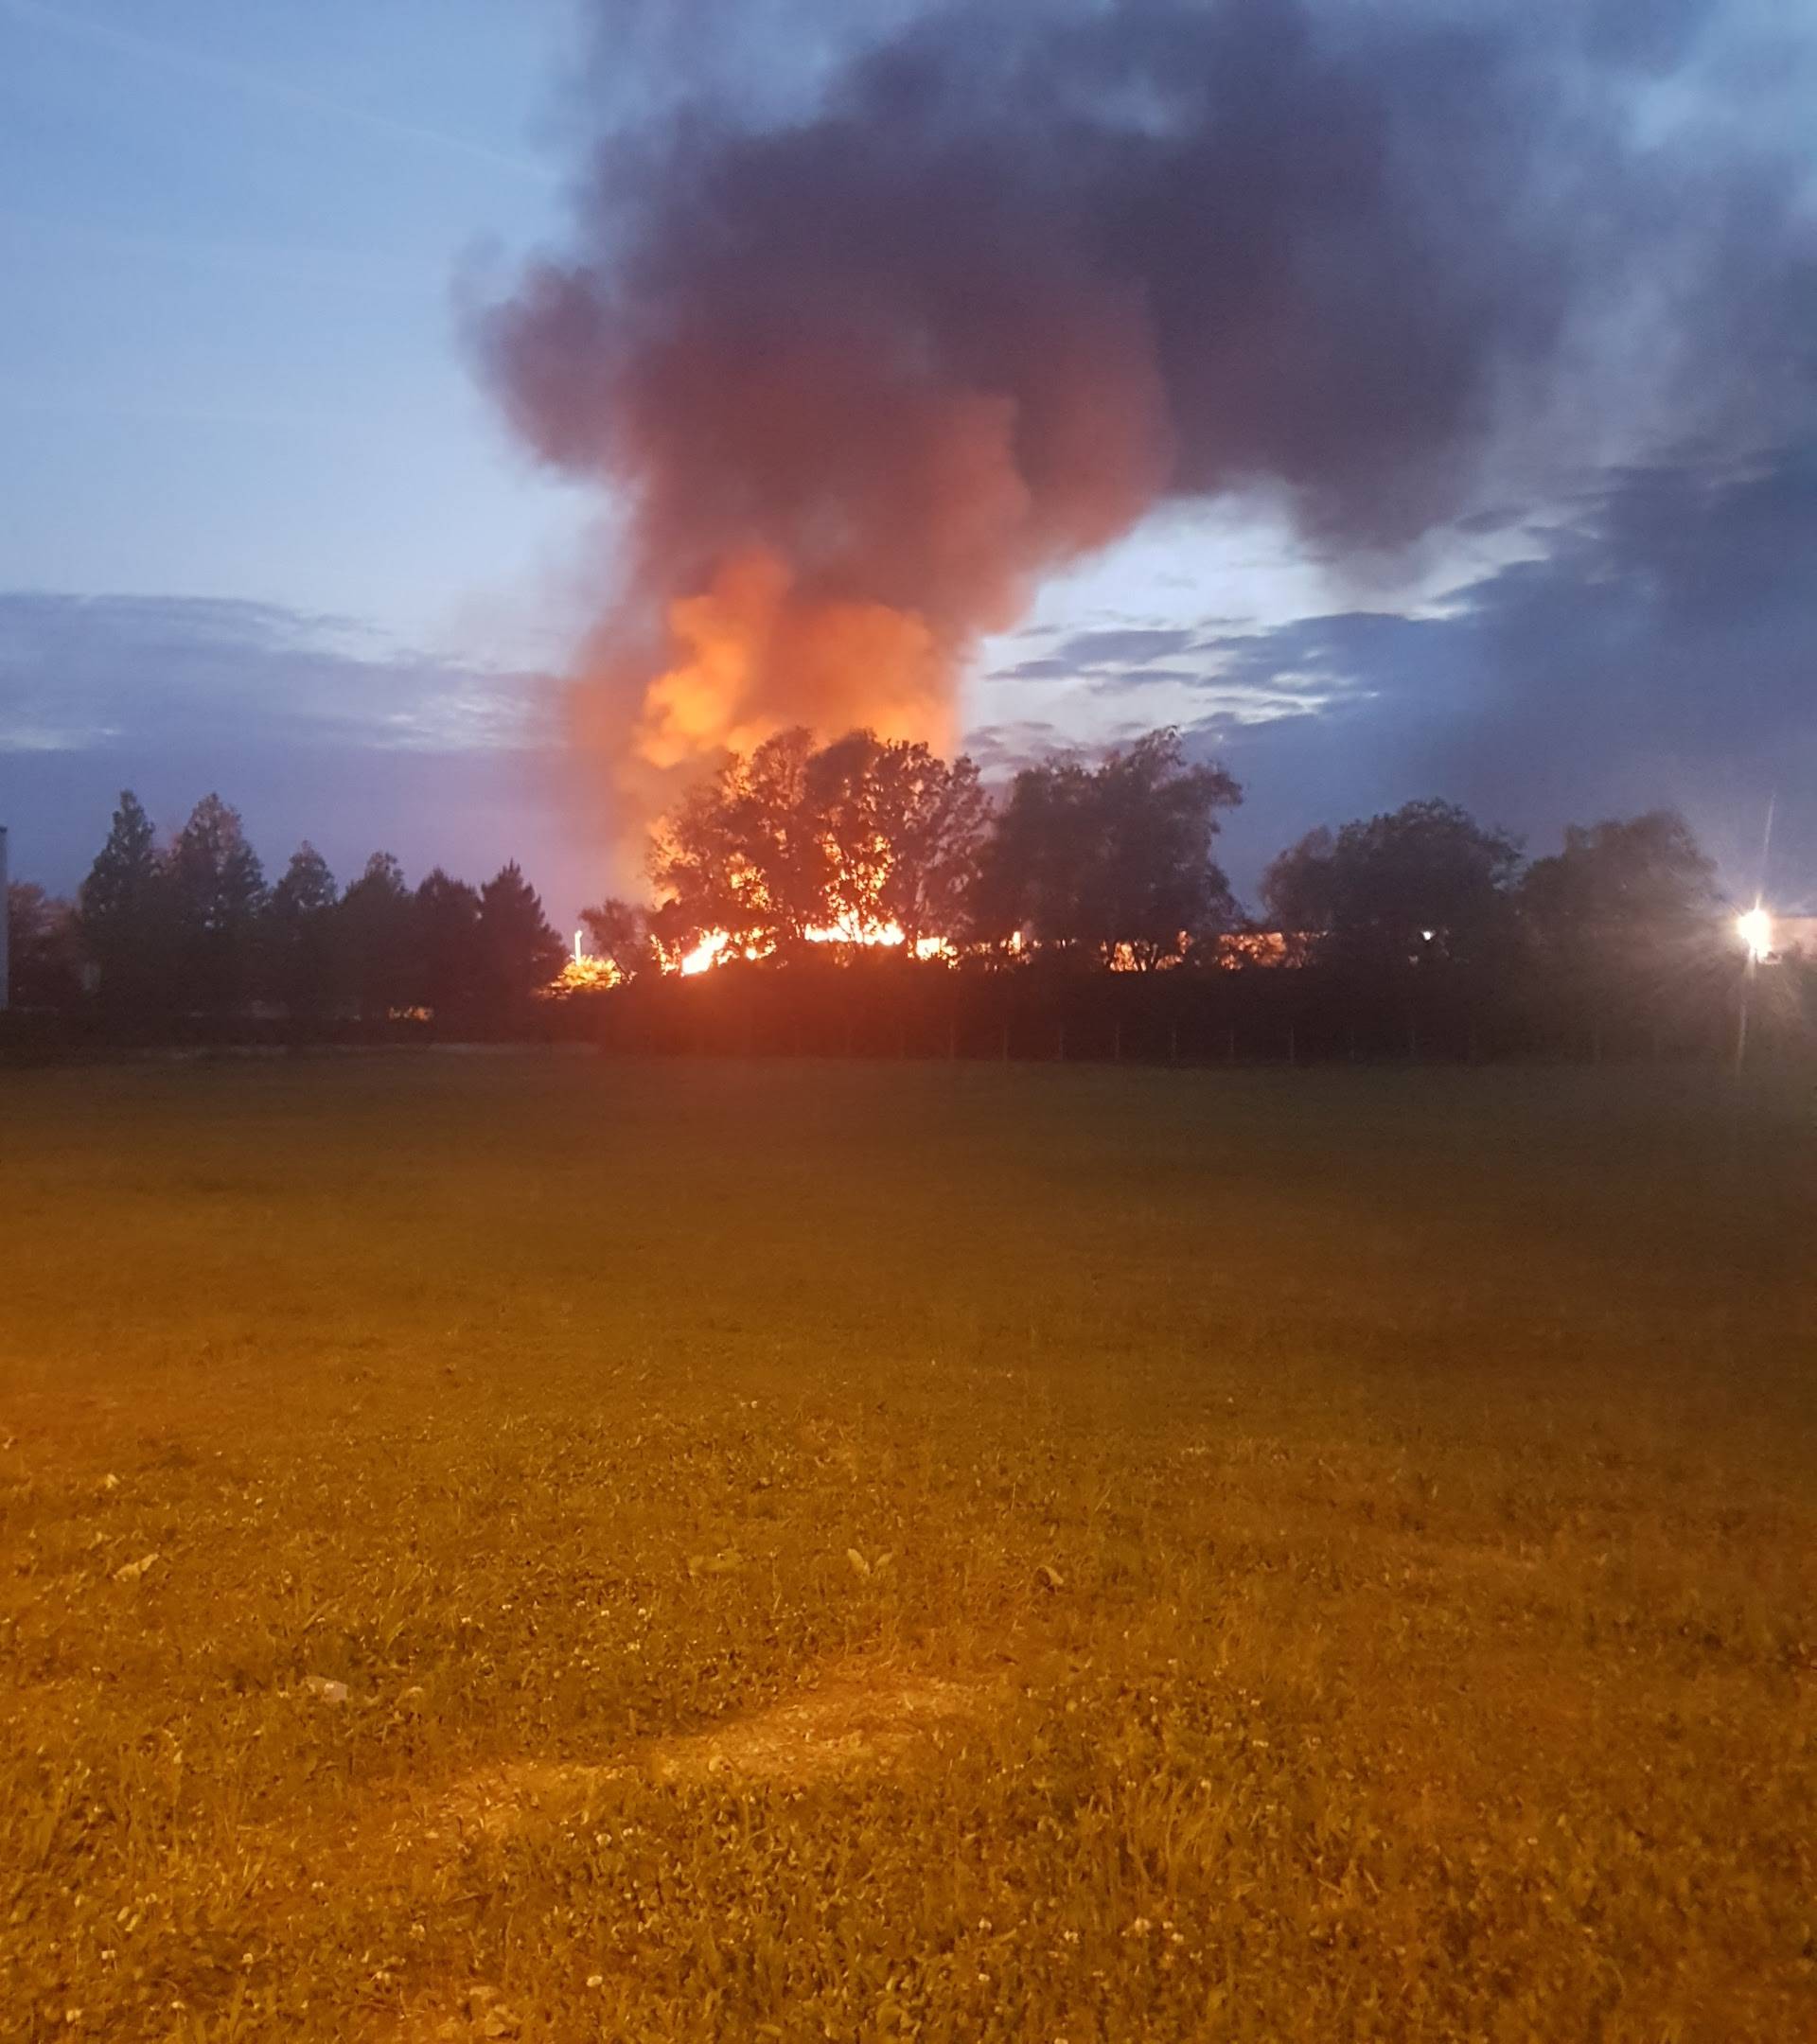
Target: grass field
(543, 1548)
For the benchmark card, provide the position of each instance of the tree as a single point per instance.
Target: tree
(743, 853)
(1153, 884)
(519, 951)
(44, 948)
(859, 838)
(621, 934)
(1618, 923)
(901, 831)
(217, 893)
(449, 954)
(1114, 862)
(303, 953)
(122, 915)
(1034, 869)
(375, 932)
(1425, 882)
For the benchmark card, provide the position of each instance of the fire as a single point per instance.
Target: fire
(720, 947)
(580, 974)
(710, 951)
(759, 654)
(852, 929)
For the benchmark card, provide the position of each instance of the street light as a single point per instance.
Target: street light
(1755, 928)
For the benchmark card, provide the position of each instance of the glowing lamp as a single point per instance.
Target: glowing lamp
(1755, 928)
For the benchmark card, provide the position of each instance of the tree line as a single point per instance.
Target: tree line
(1083, 911)
(865, 894)
(190, 935)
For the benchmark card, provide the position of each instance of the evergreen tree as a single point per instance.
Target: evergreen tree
(122, 915)
(376, 932)
(218, 896)
(302, 931)
(448, 956)
(518, 950)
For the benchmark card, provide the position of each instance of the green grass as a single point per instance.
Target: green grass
(898, 1551)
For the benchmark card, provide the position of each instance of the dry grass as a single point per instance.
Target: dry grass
(860, 1552)
(849, 1720)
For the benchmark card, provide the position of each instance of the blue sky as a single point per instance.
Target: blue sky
(232, 236)
(262, 526)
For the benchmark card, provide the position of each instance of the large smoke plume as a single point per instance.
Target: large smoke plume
(864, 370)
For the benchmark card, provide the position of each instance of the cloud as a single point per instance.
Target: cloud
(1086, 650)
(1662, 653)
(1048, 668)
(313, 726)
(1003, 751)
(81, 672)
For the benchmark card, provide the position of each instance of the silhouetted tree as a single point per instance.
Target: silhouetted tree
(1154, 883)
(851, 837)
(1426, 881)
(901, 831)
(375, 933)
(1410, 926)
(1620, 924)
(1034, 869)
(450, 954)
(123, 915)
(519, 951)
(304, 955)
(1114, 862)
(44, 947)
(216, 891)
(621, 931)
(743, 851)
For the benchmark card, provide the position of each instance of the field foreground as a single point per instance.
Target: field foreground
(547, 1548)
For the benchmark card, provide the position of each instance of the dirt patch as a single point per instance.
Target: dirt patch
(850, 1721)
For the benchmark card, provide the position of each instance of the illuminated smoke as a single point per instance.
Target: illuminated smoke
(863, 373)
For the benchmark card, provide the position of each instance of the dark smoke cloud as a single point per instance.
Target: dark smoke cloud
(1021, 273)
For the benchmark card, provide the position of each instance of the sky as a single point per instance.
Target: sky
(278, 517)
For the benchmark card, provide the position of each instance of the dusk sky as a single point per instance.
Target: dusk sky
(1496, 479)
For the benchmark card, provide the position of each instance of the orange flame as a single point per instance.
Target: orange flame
(720, 947)
(759, 655)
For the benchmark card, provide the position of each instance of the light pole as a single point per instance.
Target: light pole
(1755, 927)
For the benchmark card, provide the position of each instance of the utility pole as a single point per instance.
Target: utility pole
(1741, 1018)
